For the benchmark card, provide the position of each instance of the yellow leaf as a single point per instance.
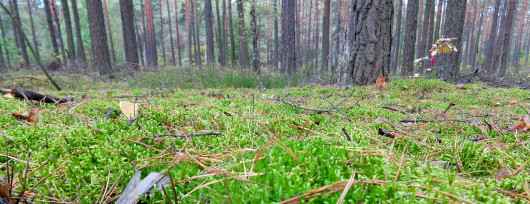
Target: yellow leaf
(129, 109)
(8, 96)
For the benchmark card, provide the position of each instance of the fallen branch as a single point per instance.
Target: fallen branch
(432, 120)
(304, 108)
(178, 136)
(394, 109)
(30, 95)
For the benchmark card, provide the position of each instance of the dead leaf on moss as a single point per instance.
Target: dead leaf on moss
(388, 133)
(522, 125)
(460, 86)
(31, 116)
(8, 96)
(502, 175)
(380, 83)
(129, 109)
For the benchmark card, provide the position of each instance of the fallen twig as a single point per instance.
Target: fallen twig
(394, 109)
(432, 120)
(178, 136)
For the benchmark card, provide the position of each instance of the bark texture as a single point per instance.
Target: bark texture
(410, 38)
(288, 37)
(129, 35)
(98, 37)
(151, 55)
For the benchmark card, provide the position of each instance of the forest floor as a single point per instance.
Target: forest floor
(413, 141)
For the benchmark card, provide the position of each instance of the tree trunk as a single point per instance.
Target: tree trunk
(2, 61)
(129, 36)
(225, 35)
(316, 38)
(518, 47)
(325, 37)
(112, 51)
(144, 33)
(190, 29)
(21, 43)
(488, 55)
(508, 27)
(51, 28)
(178, 33)
(370, 42)
(397, 39)
(255, 34)
(337, 32)
(5, 44)
(69, 33)
(307, 56)
(448, 65)
(288, 37)
(477, 38)
(423, 50)
(243, 50)
(151, 54)
(162, 44)
(499, 42)
(170, 34)
(276, 36)
(198, 55)
(139, 41)
(232, 37)
(98, 37)
(220, 43)
(438, 20)
(33, 30)
(410, 38)
(58, 30)
(80, 51)
(208, 15)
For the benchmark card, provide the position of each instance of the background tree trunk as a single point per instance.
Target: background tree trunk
(508, 28)
(129, 36)
(422, 51)
(220, 43)
(288, 37)
(69, 33)
(448, 64)
(397, 39)
(20, 41)
(325, 36)
(51, 28)
(111, 41)
(162, 44)
(80, 51)
(198, 55)
(208, 15)
(370, 44)
(255, 35)
(488, 52)
(232, 37)
(171, 33)
(58, 30)
(98, 37)
(243, 50)
(410, 38)
(5, 44)
(276, 36)
(190, 29)
(178, 33)
(438, 19)
(35, 44)
(152, 57)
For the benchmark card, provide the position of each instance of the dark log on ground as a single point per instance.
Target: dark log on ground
(30, 95)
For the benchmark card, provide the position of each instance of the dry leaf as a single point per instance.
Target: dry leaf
(460, 86)
(523, 125)
(30, 116)
(502, 175)
(380, 83)
(129, 109)
(5, 193)
(388, 133)
(8, 96)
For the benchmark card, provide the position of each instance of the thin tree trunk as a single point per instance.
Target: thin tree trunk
(276, 36)
(20, 42)
(178, 33)
(422, 50)
(316, 38)
(255, 34)
(397, 38)
(162, 44)
(518, 48)
(325, 36)
(243, 50)
(410, 38)
(220, 43)
(51, 28)
(225, 35)
(337, 32)
(80, 51)
(151, 54)
(508, 27)
(98, 37)
(32, 30)
(58, 30)
(479, 32)
(129, 36)
(171, 34)
(438, 19)
(499, 43)
(190, 29)
(3, 65)
(144, 29)
(198, 55)
(488, 59)
(69, 33)
(232, 37)
(140, 41)
(208, 15)
(111, 41)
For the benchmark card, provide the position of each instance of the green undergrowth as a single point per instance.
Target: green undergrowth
(269, 151)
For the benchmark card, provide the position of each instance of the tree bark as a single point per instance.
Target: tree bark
(190, 29)
(33, 30)
(69, 33)
(129, 36)
(337, 32)
(198, 55)
(58, 30)
(276, 36)
(325, 37)
(438, 20)
(255, 35)
(2, 61)
(220, 43)
(508, 27)
(518, 47)
(410, 38)
(423, 48)
(80, 51)
(208, 14)
(477, 38)
(288, 38)
(499, 42)
(51, 28)
(162, 44)
(397, 39)
(112, 51)
(370, 40)
(151, 54)
(243, 50)
(232, 37)
(5, 45)
(20, 42)
(225, 35)
(173, 62)
(488, 55)
(98, 37)
(448, 65)
(316, 38)
(178, 33)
